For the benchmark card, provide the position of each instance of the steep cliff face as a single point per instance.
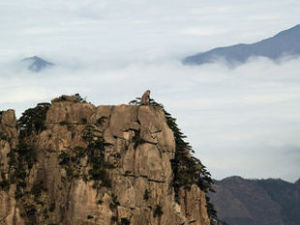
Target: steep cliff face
(73, 163)
(9, 212)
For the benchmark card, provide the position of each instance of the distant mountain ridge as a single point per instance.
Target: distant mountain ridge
(37, 64)
(285, 43)
(241, 201)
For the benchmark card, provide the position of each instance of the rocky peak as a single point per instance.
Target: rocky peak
(76, 163)
(36, 64)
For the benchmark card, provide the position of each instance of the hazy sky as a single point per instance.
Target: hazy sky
(243, 121)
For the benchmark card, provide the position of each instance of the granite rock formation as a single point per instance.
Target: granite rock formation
(73, 163)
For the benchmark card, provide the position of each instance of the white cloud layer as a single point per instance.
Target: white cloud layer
(242, 121)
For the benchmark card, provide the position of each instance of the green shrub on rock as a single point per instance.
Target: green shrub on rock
(32, 120)
(157, 211)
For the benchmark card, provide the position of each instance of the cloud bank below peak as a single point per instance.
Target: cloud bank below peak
(243, 121)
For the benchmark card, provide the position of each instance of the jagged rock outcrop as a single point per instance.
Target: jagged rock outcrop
(72, 163)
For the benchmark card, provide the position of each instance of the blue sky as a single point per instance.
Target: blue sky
(243, 121)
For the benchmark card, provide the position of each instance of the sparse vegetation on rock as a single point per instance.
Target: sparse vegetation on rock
(95, 155)
(157, 211)
(74, 163)
(125, 221)
(32, 120)
(187, 169)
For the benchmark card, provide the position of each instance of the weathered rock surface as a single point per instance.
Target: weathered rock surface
(9, 211)
(100, 165)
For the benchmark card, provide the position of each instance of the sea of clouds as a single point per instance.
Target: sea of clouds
(241, 121)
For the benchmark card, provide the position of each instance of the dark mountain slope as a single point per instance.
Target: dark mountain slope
(287, 195)
(284, 43)
(257, 202)
(37, 64)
